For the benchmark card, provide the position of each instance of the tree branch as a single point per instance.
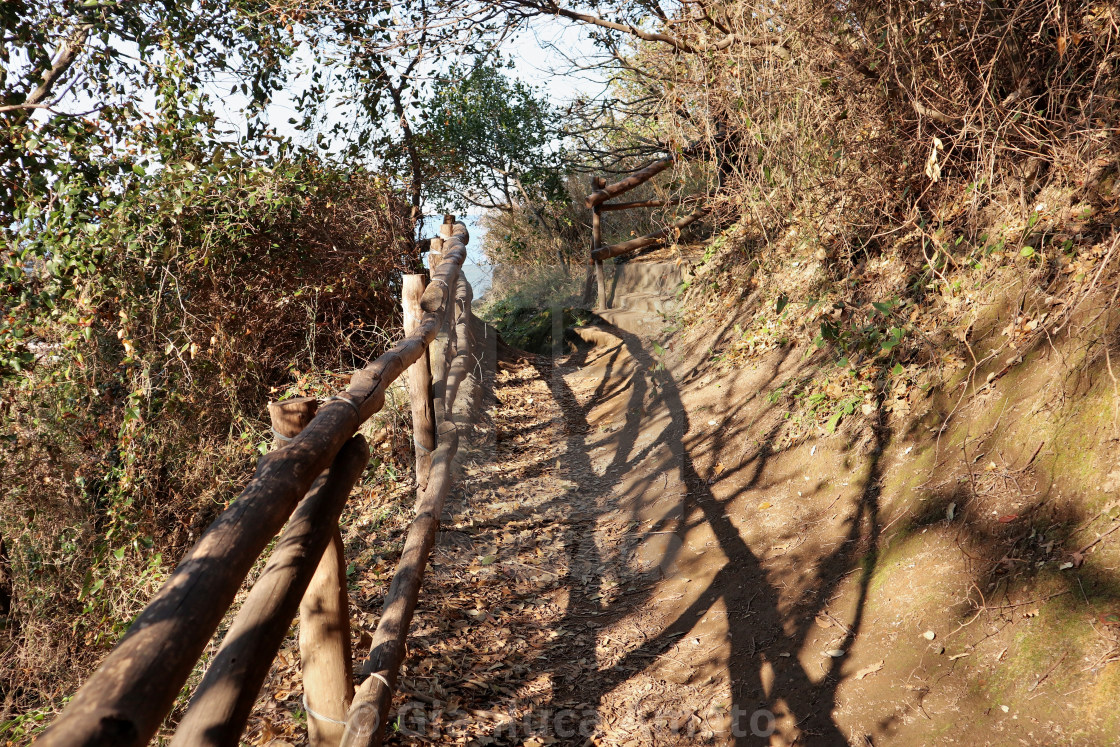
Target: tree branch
(68, 51)
(653, 36)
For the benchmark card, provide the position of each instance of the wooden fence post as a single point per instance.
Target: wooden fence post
(289, 417)
(324, 647)
(589, 284)
(223, 701)
(441, 350)
(324, 613)
(419, 383)
(598, 182)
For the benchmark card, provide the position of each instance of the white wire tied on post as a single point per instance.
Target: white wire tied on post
(364, 720)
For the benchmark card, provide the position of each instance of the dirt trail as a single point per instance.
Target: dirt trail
(606, 594)
(633, 560)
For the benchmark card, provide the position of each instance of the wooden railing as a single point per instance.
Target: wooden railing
(601, 191)
(304, 484)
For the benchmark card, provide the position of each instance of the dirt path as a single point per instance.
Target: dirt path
(634, 558)
(602, 592)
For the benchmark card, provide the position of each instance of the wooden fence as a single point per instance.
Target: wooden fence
(304, 484)
(601, 191)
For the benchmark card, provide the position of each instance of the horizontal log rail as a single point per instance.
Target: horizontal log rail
(597, 202)
(369, 713)
(613, 206)
(624, 247)
(304, 485)
(636, 179)
(603, 191)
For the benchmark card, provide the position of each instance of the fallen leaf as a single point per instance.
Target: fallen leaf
(1008, 518)
(871, 669)
(1109, 618)
(765, 505)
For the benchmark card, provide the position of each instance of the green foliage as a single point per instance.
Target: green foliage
(521, 303)
(840, 409)
(530, 328)
(489, 140)
(24, 727)
(541, 237)
(123, 53)
(160, 278)
(871, 334)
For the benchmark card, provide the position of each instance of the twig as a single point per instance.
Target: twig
(1029, 601)
(1098, 539)
(1033, 456)
(839, 624)
(1040, 680)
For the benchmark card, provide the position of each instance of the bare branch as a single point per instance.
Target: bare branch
(68, 52)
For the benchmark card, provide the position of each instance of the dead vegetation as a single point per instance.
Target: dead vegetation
(144, 410)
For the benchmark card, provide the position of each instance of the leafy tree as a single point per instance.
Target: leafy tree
(76, 79)
(489, 141)
(90, 92)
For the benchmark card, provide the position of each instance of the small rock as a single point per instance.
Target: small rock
(835, 653)
(939, 649)
(929, 635)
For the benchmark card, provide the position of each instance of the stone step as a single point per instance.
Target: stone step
(650, 303)
(659, 278)
(635, 322)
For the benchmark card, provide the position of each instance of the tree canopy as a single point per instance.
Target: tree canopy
(489, 140)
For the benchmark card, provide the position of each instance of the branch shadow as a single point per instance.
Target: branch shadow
(757, 623)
